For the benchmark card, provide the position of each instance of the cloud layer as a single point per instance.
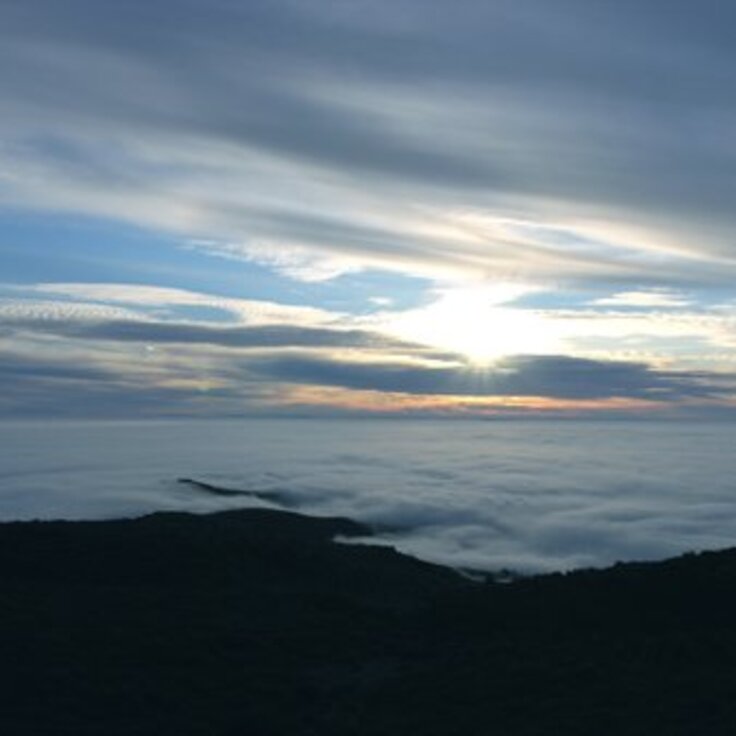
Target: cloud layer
(486, 141)
(481, 497)
(124, 350)
(496, 153)
(556, 377)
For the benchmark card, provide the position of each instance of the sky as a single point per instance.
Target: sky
(327, 207)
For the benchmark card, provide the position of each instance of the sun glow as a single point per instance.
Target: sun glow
(478, 324)
(397, 403)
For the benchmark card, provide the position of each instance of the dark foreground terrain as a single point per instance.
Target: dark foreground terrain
(255, 623)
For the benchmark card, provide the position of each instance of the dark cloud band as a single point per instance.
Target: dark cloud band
(556, 377)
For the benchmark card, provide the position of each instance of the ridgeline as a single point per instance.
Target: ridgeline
(255, 622)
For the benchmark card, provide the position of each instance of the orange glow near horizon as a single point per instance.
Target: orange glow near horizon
(375, 402)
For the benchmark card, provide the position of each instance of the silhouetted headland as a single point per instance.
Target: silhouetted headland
(256, 622)
(276, 497)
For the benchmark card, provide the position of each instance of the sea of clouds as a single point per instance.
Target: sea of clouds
(523, 495)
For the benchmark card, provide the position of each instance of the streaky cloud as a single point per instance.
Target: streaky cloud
(255, 336)
(322, 128)
(560, 377)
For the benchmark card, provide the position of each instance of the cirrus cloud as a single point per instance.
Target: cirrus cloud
(363, 142)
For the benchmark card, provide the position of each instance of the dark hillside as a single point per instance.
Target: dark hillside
(254, 622)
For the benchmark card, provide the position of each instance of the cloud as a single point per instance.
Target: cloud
(585, 145)
(661, 298)
(276, 356)
(94, 300)
(260, 336)
(480, 498)
(15, 367)
(126, 313)
(49, 378)
(314, 133)
(47, 310)
(558, 377)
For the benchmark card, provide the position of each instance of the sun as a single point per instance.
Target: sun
(472, 322)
